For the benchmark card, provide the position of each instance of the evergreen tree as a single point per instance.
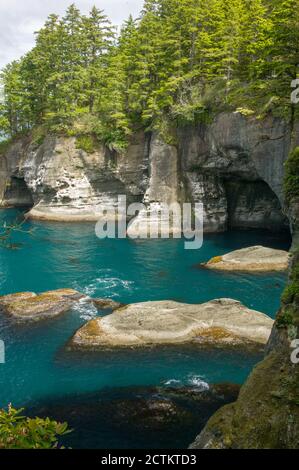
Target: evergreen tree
(181, 61)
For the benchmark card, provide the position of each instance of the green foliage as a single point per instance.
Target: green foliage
(290, 297)
(291, 182)
(38, 135)
(19, 432)
(86, 143)
(180, 62)
(285, 317)
(291, 293)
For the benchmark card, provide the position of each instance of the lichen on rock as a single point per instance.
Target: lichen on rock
(29, 306)
(218, 322)
(252, 259)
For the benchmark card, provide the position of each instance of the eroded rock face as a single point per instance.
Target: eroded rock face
(13, 189)
(209, 164)
(254, 258)
(163, 187)
(242, 151)
(253, 205)
(28, 306)
(68, 184)
(219, 322)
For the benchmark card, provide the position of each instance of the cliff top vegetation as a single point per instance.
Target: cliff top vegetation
(179, 62)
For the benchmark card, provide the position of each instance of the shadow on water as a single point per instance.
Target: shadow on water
(137, 417)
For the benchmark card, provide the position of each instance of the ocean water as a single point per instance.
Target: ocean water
(38, 369)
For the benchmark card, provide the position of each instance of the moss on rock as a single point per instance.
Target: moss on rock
(291, 183)
(266, 414)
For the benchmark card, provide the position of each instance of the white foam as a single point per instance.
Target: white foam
(197, 382)
(173, 382)
(108, 285)
(86, 309)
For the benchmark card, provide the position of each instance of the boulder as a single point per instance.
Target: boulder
(218, 322)
(254, 258)
(107, 304)
(28, 306)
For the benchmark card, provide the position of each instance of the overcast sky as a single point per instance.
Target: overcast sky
(19, 19)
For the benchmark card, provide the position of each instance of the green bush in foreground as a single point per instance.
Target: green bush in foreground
(20, 432)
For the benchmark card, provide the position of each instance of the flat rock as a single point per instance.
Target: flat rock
(219, 322)
(254, 258)
(28, 306)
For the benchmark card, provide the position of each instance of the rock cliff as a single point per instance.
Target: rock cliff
(266, 414)
(234, 166)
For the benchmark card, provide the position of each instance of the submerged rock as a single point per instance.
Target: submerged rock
(30, 306)
(107, 304)
(254, 258)
(146, 417)
(219, 322)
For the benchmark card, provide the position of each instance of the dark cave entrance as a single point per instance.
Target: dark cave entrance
(17, 193)
(253, 205)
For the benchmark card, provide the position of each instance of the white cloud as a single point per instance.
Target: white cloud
(19, 20)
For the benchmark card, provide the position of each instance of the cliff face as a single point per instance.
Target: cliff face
(266, 414)
(66, 183)
(234, 166)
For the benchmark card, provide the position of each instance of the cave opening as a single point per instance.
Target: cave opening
(17, 193)
(254, 205)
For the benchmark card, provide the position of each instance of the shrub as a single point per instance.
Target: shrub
(286, 317)
(20, 432)
(86, 143)
(38, 135)
(291, 182)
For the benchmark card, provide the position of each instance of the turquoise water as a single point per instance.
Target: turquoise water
(70, 256)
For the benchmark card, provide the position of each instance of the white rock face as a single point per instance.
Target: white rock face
(223, 321)
(234, 166)
(163, 188)
(68, 184)
(254, 258)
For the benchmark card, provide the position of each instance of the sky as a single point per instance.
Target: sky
(20, 19)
